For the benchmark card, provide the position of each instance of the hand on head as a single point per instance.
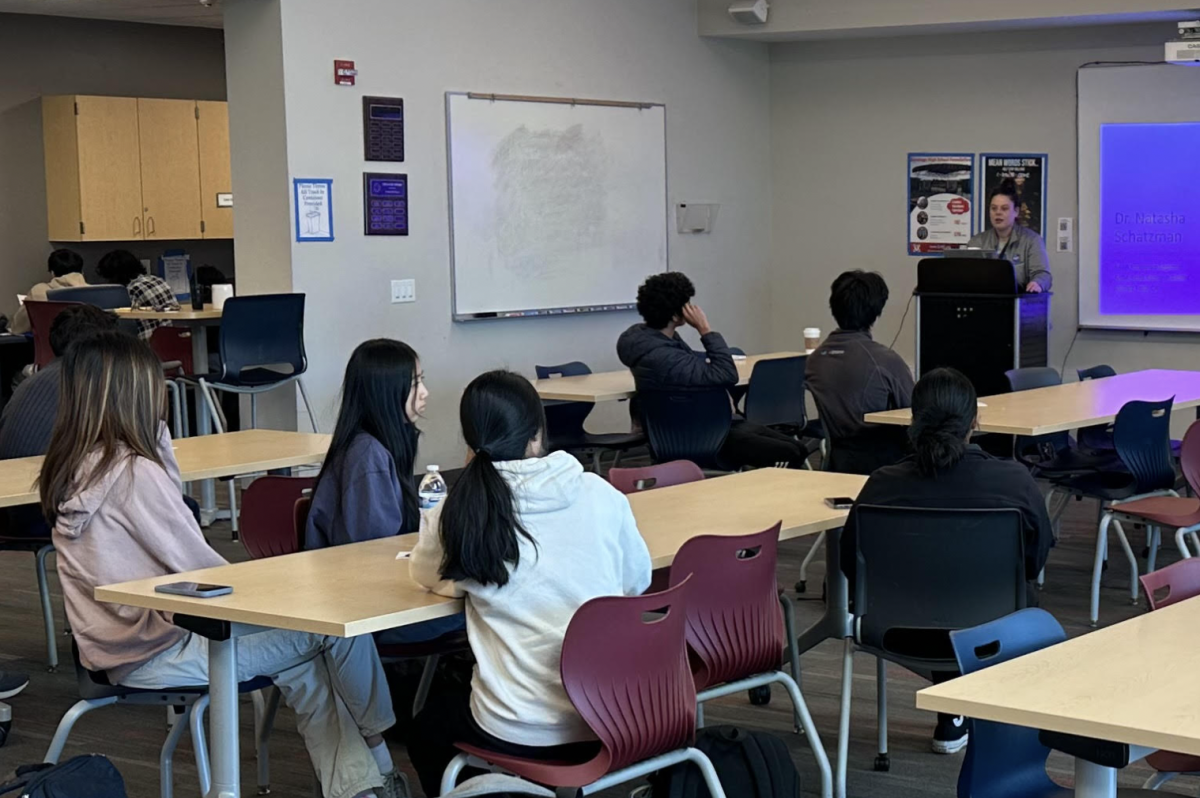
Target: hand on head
(694, 316)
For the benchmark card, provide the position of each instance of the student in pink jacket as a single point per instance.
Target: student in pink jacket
(111, 492)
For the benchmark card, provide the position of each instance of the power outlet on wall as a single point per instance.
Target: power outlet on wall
(404, 291)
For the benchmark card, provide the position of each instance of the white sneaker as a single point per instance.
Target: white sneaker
(950, 735)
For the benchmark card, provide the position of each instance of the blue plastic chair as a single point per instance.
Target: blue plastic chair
(105, 297)
(1052, 455)
(1099, 437)
(687, 425)
(262, 348)
(1141, 437)
(775, 396)
(1004, 761)
(564, 422)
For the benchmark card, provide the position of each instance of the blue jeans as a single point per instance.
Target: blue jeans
(421, 632)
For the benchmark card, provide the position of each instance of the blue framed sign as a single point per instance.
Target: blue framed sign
(314, 208)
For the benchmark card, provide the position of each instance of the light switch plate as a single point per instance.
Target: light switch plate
(404, 291)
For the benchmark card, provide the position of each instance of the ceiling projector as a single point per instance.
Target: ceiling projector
(1186, 51)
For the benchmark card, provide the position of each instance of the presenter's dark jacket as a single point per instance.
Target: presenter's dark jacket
(978, 481)
(1025, 249)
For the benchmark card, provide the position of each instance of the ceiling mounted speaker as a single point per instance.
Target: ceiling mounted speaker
(749, 12)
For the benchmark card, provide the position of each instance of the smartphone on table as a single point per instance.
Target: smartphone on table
(194, 589)
(840, 502)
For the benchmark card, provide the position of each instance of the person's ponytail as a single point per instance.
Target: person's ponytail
(501, 414)
(943, 414)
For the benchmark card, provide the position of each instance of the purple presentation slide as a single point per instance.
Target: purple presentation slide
(1150, 219)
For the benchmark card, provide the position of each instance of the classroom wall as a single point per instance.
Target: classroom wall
(844, 116)
(59, 55)
(821, 18)
(716, 94)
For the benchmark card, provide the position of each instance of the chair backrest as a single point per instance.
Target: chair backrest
(41, 316)
(1003, 760)
(268, 523)
(1189, 457)
(1096, 373)
(1142, 438)
(107, 297)
(734, 622)
(775, 394)
(1030, 378)
(300, 512)
(1175, 583)
(174, 345)
(687, 425)
(262, 330)
(924, 572)
(627, 674)
(662, 475)
(564, 420)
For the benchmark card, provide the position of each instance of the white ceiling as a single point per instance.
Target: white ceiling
(158, 12)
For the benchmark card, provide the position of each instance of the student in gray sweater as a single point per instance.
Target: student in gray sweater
(366, 488)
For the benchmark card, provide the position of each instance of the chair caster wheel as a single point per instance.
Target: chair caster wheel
(883, 763)
(802, 585)
(760, 696)
(263, 790)
(52, 669)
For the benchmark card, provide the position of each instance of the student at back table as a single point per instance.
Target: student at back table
(660, 360)
(66, 271)
(851, 374)
(947, 471)
(146, 291)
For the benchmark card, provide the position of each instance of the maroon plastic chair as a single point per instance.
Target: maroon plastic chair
(736, 633)
(1173, 511)
(663, 475)
(1180, 581)
(300, 518)
(41, 316)
(268, 527)
(627, 675)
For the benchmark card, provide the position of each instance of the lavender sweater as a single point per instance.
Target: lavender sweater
(131, 524)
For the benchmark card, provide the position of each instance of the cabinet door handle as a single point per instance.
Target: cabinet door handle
(150, 225)
(137, 225)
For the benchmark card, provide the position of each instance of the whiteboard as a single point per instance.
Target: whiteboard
(555, 207)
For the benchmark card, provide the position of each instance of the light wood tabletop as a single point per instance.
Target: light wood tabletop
(1072, 405)
(184, 314)
(1130, 683)
(202, 457)
(611, 386)
(362, 587)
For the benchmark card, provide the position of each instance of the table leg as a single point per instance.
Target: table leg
(223, 739)
(208, 490)
(835, 623)
(1094, 781)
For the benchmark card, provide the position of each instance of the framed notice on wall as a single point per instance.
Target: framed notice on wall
(941, 189)
(313, 199)
(1029, 173)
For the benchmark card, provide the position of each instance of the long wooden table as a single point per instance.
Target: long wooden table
(611, 386)
(309, 591)
(1132, 683)
(203, 457)
(1072, 405)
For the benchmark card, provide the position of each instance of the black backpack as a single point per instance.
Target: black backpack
(87, 776)
(749, 765)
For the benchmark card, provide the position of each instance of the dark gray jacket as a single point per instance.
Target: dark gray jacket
(662, 363)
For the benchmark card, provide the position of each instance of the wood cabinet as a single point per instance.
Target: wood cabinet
(216, 180)
(132, 169)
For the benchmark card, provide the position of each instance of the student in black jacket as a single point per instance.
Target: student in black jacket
(947, 471)
(660, 360)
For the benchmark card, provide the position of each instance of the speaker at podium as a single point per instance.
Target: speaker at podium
(973, 316)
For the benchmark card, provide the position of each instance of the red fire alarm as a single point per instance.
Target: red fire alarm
(344, 73)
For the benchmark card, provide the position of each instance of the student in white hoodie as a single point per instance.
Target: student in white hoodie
(527, 538)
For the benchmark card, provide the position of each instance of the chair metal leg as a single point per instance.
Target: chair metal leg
(597, 463)
(200, 745)
(450, 775)
(810, 728)
(843, 749)
(166, 757)
(789, 629)
(1098, 566)
(264, 723)
(1195, 541)
(1158, 780)
(1134, 584)
(708, 772)
(1155, 534)
(699, 716)
(312, 419)
(427, 674)
(233, 508)
(1041, 580)
(47, 608)
(176, 408)
(1181, 543)
(215, 416)
(72, 716)
(882, 761)
(802, 584)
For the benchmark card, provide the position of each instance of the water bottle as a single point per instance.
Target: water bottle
(432, 489)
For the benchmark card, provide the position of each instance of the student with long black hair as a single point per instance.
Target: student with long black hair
(527, 538)
(947, 471)
(366, 488)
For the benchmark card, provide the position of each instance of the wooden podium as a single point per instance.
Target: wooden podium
(972, 316)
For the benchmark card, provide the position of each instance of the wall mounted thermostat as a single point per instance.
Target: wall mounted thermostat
(385, 204)
(383, 129)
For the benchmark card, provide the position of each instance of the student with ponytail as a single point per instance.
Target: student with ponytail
(526, 538)
(947, 471)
